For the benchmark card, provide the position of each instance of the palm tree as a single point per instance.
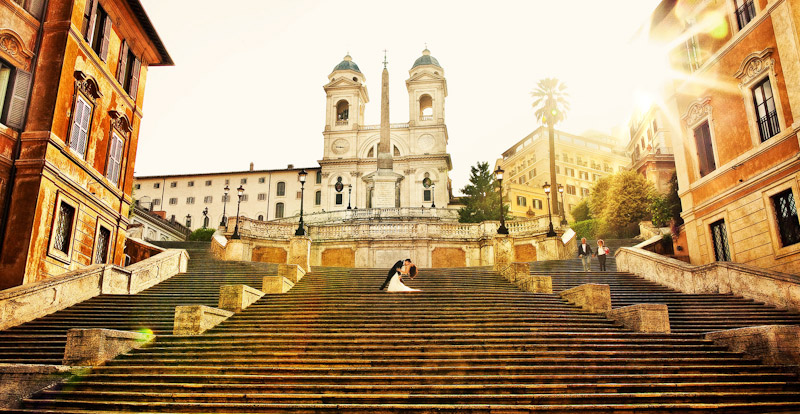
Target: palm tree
(550, 103)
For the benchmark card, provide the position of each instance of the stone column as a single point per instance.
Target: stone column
(300, 252)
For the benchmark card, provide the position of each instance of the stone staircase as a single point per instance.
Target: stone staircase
(470, 342)
(42, 341)
(688, 313)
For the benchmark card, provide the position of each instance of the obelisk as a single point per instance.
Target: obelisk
(384, 182)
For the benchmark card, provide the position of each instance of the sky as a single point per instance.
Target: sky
(247, 81)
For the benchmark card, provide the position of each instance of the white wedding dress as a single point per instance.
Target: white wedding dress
(395, 285)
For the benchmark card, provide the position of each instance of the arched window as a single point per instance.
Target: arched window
(260, 217)
(425, 107)
(371, 152)
(281, 188)
(205, 222)
(318, 198)
(279, 210)
(396, 151)
(342, 111)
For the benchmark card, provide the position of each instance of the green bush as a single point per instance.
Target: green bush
(587, 228)
(581, 211)
(202, 235)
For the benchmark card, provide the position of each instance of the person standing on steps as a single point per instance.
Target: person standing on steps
(585, 253)
(602, 253)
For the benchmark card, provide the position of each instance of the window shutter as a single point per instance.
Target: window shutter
(106, 38)
(74, 136)
(123, 63)
(36, 7)
(133, 89)
(19, 99)
(118, 160)
(82, 123)
(91, 7)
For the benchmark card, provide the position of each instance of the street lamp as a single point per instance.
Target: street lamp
(433, 196)
(300, 230)
(349, 191)
(224, 221)
(551, 232)
(240, 192)
(205, 216)
(563, 206)
(188, 221)
(498, 173)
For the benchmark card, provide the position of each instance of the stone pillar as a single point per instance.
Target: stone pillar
(772, 344)
(235, 298)
(276, 284)
(643, 317)
(300, 252)
(537, 284)
(196, 319)
(591, 297)
(96, 346)
(503, 252)
(292, 272)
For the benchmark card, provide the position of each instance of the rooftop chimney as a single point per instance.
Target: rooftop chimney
(290, 167)
(251, 166)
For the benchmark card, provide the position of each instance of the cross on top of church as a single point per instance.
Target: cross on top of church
(384, 58)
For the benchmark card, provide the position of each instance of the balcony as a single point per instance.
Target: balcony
(342, 122)
(426, 118)
(745, 14)
(768, 126)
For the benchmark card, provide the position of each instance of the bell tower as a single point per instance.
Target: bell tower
(427, 89)
(346, 97)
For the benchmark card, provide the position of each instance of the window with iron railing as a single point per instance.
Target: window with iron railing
(766, 114)
(786, 217)
(719, 237)
(745, 12)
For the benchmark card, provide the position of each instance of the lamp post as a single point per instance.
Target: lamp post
(498, 173)
(224, 221)
(300, 230)
(349, 191)
(188, 221)
(563, 206)
(240, 192)
(205, 216)
(551, 232)
(433, 196)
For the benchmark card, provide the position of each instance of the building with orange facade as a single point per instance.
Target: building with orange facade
(650, 148)
(732, 106)
(72, 75)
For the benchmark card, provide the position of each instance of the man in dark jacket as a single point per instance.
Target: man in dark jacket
(398, 266)
(585, 253)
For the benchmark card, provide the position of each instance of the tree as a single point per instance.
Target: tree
(597, 197)
(550, 104)
(481, 196)
(627, 200)
(581, 211)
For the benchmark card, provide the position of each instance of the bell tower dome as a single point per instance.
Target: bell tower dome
(427, 89)
(346, 97)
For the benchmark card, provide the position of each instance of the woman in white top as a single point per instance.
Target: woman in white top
(602, 251)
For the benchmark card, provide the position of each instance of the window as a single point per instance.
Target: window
(190, 184)
(62, 231)
(584, 191)
(318, 198)
(188, 221)
(532, 173)
(243, 181)
(14, 92)
(558, 169)
(156, 202)
(569, 171)
(537, 204)
(426, 195)
(425, 107)
(745, 12)
(97, 28)
(705, 151)
(279, 210)
(101, 246)
(208, 199)
(260, 217)
(281, 189)
(173, 201)
(319, 177)
(245, 197)
(173, 184)
(114, 158)
(262, 196)
(720, 240)
(206, 221)
(583, 175)
(156, 185)
(595, 177)
(339, 199)
(766, 114)
(571, 190)
(128, 70)
(396, 151)
(208, 183)
(227, 181)
(786, 217)
(692, 51)
(137, 186)
(342, 112)
(189, 200)
(81, 118)
(262, 180)
(522, 201)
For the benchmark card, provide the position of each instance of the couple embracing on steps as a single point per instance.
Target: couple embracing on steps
(394, 280)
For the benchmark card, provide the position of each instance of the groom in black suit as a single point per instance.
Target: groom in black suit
(398, 266)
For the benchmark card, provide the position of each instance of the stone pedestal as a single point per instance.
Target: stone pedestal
(536, 284)
(276, 284)
(591, 297)
(96, 346)
(772, 344)
(236, 250)
(292, 272)
(643, 317)
(300, 252)
(196, 319)
(384, 191)
(503, 252)
(234, 298)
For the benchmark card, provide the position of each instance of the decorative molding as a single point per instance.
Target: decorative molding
(14, 47)
(87, 85)
(443, 169)
(120, 121)
(409, 171)
(325, 175)
(356, 174)
(754, 65)
(697, 110)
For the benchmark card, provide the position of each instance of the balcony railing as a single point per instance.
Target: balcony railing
(745, 14)
(769, 126)
(342, 122)
(405, 125)
(426, 118)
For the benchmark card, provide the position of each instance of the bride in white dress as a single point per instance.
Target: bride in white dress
(396, 284)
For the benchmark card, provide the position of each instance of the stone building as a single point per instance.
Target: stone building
(268, 194)
(72, 74)
(580, 161)
(151, 226)
(736, 143)
(650, 148)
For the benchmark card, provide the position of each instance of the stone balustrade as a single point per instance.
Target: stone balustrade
(781, 290)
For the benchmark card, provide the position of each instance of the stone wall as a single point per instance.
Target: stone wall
(137, 250)
(773, 288)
